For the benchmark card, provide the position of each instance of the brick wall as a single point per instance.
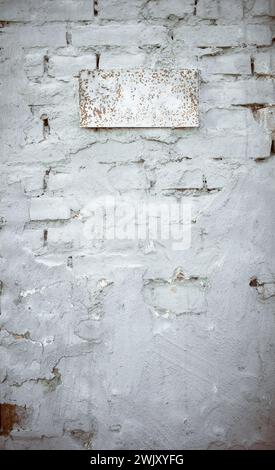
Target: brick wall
(130, 344)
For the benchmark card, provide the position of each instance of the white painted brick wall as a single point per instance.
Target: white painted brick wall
(49, 208)
(129, 343)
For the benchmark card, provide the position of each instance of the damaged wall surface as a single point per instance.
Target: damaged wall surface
(129, 344)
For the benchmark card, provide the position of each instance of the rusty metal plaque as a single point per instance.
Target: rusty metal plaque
(139, 98)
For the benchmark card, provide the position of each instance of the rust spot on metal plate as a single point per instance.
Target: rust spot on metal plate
(139, 98)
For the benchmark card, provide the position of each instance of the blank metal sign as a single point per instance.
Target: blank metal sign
(139, 98)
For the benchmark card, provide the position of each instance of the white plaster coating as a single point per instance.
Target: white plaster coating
(130, 344)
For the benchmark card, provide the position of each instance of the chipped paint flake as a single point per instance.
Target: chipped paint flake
(139, 98)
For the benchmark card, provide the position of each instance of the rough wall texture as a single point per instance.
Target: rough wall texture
(129, 344)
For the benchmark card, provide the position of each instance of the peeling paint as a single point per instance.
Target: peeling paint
(83, 436)
(264, 286)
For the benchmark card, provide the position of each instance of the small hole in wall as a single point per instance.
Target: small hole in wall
(46, 127)
(70, 261)
(45, 237)
(95, 7)
(272, 150)
(252, 65)
(68, 38)
(253, 282)
(46, 179)
(97, 56)
(46, 64)
(4, 24)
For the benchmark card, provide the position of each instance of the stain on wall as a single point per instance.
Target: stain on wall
(11, 416)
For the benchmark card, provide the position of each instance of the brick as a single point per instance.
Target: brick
(59, 181)
(34, 182)
(223, 36)
(39, 36)
(208, 9)
(117, 9)
(61, 10)
(85, 36)
(69, 66)
(186, 57)
(258, 35)
(66, 236)
(121, 59)
(264, 62)
(241, 92)
(266, 117)
(234, 118)
(224, 9)
(246, 144)
(49, 208)
(33, 65)
(164, 9)
(226, 64)
(48, 93)
(262, 7)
